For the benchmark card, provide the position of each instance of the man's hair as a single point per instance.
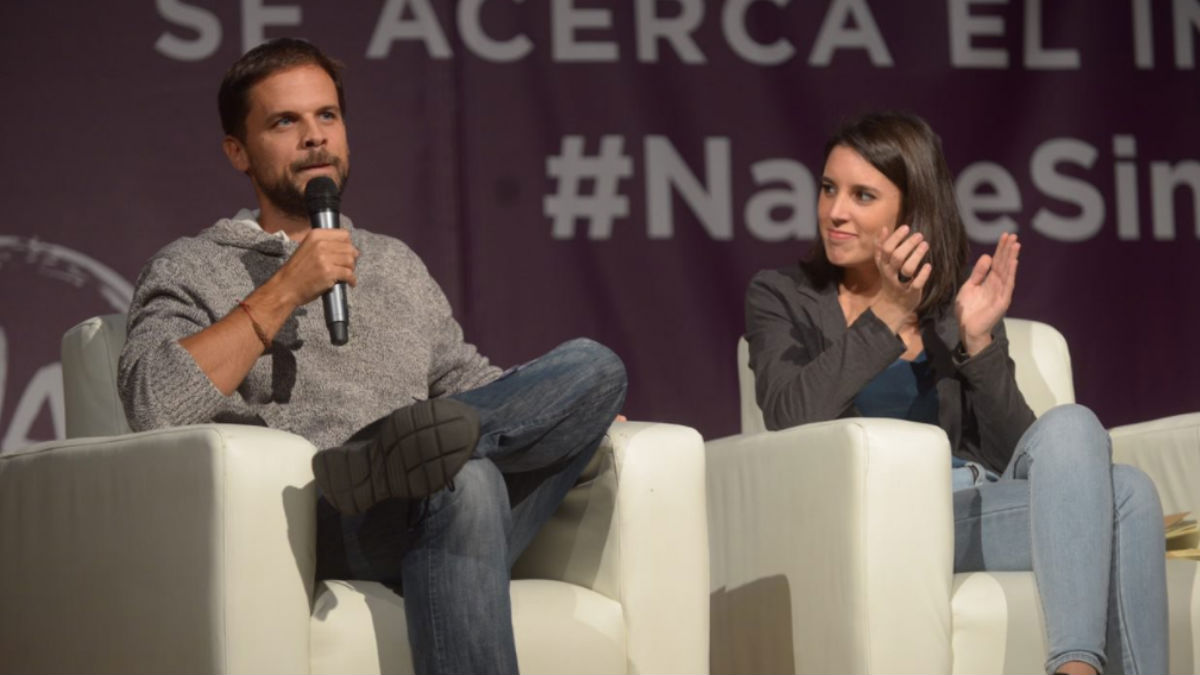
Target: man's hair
(233, 98)
(904, 148)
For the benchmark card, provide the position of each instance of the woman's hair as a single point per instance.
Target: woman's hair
(903, 148)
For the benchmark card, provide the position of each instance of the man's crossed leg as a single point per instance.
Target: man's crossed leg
(481, 472)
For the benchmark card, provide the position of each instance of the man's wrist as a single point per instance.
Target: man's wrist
(258, 329)
(274, 298)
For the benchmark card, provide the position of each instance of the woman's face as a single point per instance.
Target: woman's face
(858, 206)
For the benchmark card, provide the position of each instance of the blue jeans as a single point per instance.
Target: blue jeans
(1091, 532)
(450, 555)
(965, 474)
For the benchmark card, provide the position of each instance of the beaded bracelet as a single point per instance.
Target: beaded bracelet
(262, 335)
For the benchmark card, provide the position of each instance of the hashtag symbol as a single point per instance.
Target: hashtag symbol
(573, 170)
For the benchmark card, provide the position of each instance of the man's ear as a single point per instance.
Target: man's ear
(235, 151)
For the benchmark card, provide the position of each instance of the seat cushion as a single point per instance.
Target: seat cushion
(360, 627)
(999, 628)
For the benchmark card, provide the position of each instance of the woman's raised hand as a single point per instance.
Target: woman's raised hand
(986, 295)
(902, 275)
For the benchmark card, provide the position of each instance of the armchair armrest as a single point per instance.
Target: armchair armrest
(634, 529)
(181, 550)
(1168, 450)
(832, 542)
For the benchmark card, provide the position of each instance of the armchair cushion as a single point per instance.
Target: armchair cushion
(186, 549)
(819, 514)
(360, 627)
(89, 357)
(1043, 363)
(192, 550)
(1168, 450)
(616, 581)
(637, 532)
(998, 624)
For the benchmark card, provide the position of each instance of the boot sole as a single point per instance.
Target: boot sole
(419, 450)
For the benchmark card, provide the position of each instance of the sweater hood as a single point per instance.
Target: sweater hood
(242, 231)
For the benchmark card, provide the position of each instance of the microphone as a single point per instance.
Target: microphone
(322, 198)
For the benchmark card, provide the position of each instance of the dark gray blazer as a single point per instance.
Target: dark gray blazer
(809, 365)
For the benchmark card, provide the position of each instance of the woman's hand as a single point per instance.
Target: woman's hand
(902, 276)
(986, 295)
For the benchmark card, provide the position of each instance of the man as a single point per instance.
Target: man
(438, 468)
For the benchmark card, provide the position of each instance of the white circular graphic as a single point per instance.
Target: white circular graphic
(46, 288)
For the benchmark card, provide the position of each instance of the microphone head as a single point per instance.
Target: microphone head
(322, 194)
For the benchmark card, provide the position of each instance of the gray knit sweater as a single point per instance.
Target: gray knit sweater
(404, 343)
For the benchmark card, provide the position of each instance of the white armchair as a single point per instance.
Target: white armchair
(832, 543)
(192, 550)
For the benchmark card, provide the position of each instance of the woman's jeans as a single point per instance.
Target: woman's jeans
(540, 424)
(1091, 532)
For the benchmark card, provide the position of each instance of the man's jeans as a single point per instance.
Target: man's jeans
(540, 424)
(1091, 532)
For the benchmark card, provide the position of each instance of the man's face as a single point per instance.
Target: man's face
(294, 133)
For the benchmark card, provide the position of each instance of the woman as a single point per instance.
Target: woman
(885, 321)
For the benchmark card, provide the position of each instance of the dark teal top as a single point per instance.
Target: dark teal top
(905, 390)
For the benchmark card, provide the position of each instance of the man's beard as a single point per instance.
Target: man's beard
(285, 196)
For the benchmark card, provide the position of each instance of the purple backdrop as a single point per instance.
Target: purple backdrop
(620, 169)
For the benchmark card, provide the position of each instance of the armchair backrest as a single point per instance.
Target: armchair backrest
(1043, 363)
(1039, 351)
(89, 369)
